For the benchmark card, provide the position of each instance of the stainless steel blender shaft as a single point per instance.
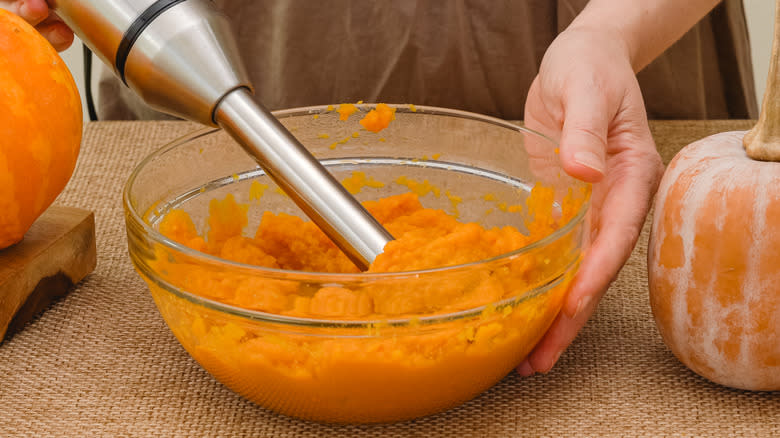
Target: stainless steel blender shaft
(180, 57)
(302, 177)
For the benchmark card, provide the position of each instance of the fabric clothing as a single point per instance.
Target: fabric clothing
(474, 55)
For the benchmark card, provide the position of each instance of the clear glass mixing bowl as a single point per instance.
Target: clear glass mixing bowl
(446, 347)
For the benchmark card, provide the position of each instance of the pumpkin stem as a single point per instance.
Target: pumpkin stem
(763, 141)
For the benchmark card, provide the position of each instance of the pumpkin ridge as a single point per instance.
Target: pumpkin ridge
(725, 291)
(751, 286)
(694, 183)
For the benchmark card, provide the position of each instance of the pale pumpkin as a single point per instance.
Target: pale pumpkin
(714, 251)
(40, 126)
(714, 263)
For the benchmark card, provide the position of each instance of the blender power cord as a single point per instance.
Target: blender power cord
(88, 83)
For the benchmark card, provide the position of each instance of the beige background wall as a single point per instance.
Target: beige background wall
(760, 19)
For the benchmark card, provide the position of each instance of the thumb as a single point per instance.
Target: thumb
(584, 135)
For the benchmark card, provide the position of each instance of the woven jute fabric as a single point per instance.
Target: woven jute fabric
(101, 361)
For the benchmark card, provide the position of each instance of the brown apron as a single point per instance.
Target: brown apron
(475, 55)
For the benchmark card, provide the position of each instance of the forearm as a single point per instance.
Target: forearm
(647, 27)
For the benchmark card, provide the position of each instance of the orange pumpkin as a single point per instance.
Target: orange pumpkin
(40, 126)
(714, 263)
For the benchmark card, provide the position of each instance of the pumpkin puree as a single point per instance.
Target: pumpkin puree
(373, 371)
(378, 118)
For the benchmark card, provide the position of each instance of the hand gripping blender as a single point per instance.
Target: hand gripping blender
(180, 57)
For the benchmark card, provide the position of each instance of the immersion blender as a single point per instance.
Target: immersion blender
(181, 58)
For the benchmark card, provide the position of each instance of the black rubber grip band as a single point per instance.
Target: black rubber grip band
(136, 28)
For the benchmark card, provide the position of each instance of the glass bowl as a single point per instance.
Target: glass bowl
(420, 341)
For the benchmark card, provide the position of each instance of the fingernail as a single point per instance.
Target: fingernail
(582, 305)
(56, 37)
(590, 159)
(525, 369)
(554, 361)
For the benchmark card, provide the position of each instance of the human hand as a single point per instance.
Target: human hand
(37, 13)
(586, 94)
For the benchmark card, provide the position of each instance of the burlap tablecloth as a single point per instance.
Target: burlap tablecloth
(102, 362)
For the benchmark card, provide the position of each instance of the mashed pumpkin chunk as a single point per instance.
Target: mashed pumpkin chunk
(355, 183)
(227, 218)
(378, 118)
(345, 110)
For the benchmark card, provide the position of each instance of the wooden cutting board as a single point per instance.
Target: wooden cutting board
(57, 252)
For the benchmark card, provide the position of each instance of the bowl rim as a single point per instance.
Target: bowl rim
(137, 219)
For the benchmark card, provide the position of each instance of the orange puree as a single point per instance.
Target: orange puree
(345, 110)
(371, 371)
(355, 183)
(378, 118)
